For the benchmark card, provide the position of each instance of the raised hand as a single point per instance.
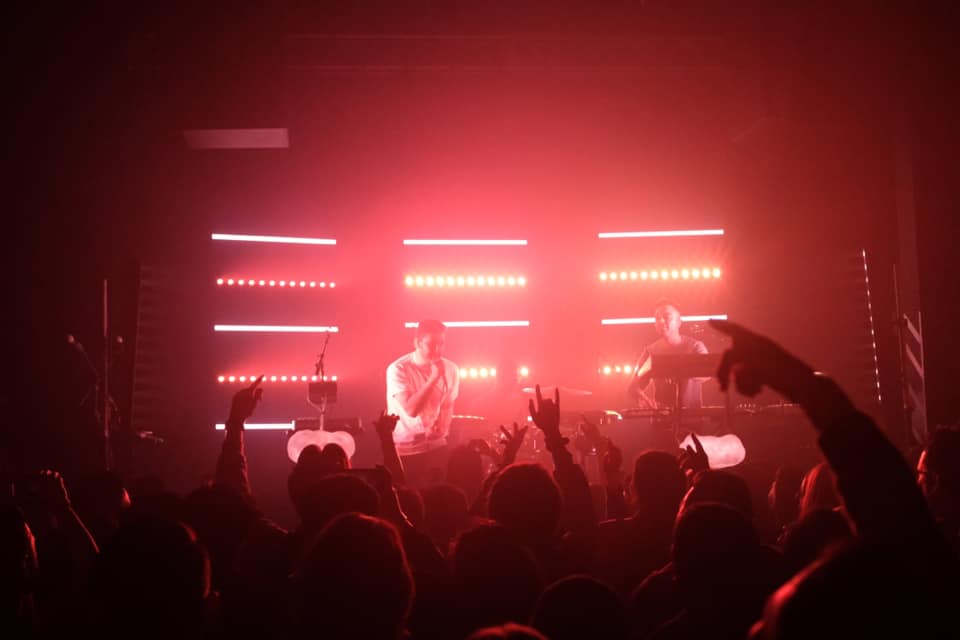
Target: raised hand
(546, 413)
(245, 401)
(755, 360)
(52, 491)
(386, 424)
(612, 459)
(694, 459)
(512, 442)
(592, 433)
(482, 447)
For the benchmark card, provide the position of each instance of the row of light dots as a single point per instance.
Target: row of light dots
(293, 284)
(611, 369)
(471, 373)
(663, 274)
(229, 379)
(465, 281)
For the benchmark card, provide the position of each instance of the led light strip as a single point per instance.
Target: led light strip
(411, 242)
(223, 378)
(610, 369)
(471, 373)
(261, 426)
(477, 372)
(873, 334)
(464, 281)
(271, 328)
(475, 323)
(235, 237)
(685, 233)
(651, 320)
(290, 284)
(706, 273)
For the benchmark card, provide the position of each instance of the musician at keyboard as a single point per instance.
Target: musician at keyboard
(648, 392)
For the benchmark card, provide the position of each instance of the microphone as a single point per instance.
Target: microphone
(74, 343)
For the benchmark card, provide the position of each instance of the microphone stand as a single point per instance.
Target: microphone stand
(104, 407)
(318, 371)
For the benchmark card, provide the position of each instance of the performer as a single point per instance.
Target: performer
(650, 393)
(421, 389)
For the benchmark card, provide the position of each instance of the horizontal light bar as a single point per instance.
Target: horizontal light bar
(458, 416)
(611, 369)
(232, 378)
(273, 239)
(660, 275)
(274, 328)
(651, 319)
(419, 281)
(684, 233)
(463, 243)
(475, 323)
(283, 284)
(477, 372)
(472, 373)
(261, 426)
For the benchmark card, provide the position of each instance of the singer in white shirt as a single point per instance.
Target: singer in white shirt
(421, 389)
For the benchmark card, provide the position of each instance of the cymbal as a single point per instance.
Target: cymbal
(568, 391)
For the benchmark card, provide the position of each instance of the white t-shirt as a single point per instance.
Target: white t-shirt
(425, 432)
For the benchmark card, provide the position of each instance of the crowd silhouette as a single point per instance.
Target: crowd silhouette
(861, 545)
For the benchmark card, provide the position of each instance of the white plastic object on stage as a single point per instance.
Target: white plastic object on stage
(722, 451)
(302, 439)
